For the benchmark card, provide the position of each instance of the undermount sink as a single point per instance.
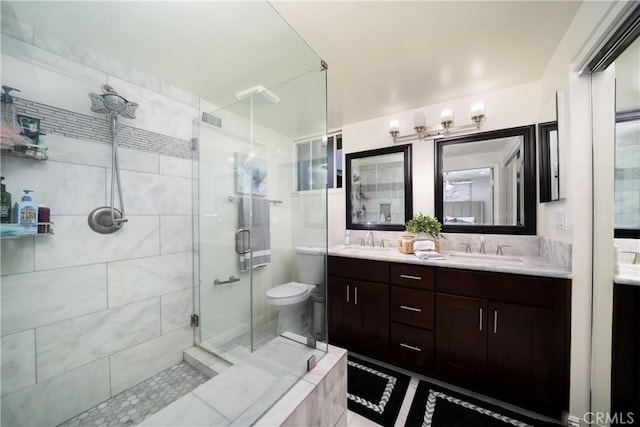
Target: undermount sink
(368, 248)
(485, 257)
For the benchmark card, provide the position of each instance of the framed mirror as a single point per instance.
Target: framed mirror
(379, 189)
(548, 166)
(485, 182)
(627, 176)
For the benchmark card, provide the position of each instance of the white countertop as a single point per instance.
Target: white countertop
(629, 274)
(532, 266)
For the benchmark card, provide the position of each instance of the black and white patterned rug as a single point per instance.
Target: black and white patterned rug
(435, 406)
(374, 391)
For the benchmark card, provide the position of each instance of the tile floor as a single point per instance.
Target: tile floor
(143, 400)
(356, 420)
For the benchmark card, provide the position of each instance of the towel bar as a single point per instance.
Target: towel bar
(232, 279)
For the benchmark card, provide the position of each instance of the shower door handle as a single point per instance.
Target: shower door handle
(239, 239)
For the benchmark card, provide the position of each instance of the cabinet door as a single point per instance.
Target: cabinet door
(461, 338)
(339, 315)
(369, 306)
(520, 351)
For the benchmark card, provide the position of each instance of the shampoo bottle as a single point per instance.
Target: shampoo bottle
(26, 213)
(5, 203)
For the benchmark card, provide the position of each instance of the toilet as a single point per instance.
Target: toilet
(291, 300)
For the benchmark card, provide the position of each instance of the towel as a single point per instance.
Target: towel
(254, 215)
(426, 249)
(424, 245)
(428, 255)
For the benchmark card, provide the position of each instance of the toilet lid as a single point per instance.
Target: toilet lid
(288, 290)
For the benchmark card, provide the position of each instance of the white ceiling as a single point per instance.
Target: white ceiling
(384, 56)
(390, 56)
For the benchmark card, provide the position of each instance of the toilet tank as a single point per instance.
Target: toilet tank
(310, 264)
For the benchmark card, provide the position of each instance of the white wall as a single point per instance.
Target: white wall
(587, 32)
(86, 316)
(510, 107)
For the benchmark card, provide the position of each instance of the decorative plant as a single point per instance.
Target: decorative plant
(424, 224)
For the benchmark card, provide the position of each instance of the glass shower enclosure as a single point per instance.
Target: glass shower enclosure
(252, 224)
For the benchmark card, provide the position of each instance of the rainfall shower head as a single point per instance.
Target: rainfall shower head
(111, 102)
(258, 90)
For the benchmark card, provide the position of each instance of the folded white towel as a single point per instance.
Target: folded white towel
(428, 255)
(424, 245)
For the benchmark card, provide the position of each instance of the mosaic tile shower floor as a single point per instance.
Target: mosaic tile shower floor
(132, 406)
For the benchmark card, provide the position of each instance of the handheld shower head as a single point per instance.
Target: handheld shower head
(108, 219)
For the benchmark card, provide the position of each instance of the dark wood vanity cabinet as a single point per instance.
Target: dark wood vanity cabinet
(625, 357)
(505, 335)
(359, 309)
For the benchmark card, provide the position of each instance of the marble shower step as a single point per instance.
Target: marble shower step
(205, 362)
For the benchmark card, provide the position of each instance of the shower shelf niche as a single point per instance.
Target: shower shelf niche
(29, 151)
(14, 226)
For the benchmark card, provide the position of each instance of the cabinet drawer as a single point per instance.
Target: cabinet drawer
(512, 288)
(412, 307)
(361, 269)
(412, 348)
(412, 276)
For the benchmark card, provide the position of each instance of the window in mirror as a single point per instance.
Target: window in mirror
(485, 183)
(548, 162)
(319, 163)
(378, 189)
(627, 175)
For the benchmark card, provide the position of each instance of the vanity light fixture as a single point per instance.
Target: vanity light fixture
(446, 125)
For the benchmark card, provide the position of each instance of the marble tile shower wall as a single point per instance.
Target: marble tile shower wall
(86, 316)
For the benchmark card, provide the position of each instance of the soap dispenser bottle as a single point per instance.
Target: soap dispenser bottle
(5, 203)
(26, 213)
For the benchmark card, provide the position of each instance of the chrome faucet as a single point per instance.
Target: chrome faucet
(636, 256)
(483, 250)
(371, 239)
(467, 247)
(499, 250)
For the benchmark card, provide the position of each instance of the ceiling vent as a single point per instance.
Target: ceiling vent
(212, 120)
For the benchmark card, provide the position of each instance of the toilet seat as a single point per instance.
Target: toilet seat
(289, 293)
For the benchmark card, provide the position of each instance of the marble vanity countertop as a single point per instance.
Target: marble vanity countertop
(532, 266)
(629, 274)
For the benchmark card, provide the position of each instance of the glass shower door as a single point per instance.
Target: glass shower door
(225, 291)
(251, 225)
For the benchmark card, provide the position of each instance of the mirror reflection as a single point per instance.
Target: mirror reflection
(484, 182)
(627, 178)
(549, 166)
(379, 188)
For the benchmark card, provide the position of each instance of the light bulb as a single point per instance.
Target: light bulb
(446, 117)
(477, 111)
